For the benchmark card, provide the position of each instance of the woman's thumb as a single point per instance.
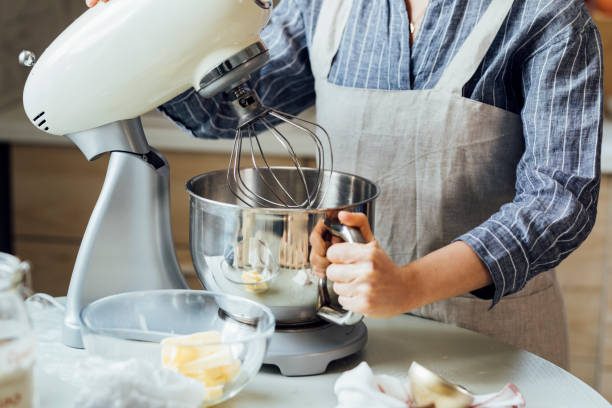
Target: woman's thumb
(357, 220)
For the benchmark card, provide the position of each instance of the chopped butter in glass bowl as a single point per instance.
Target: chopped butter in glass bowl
(216, 339)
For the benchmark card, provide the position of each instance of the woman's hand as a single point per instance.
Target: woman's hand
(369, 282)
(91, 3)
(365, 278)
(320, 241)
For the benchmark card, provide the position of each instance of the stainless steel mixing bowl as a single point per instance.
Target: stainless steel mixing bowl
(262, 253)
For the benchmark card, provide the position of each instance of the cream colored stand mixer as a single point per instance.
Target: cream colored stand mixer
(120, 60)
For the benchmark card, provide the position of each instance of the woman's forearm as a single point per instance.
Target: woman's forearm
(368, 281)
(450, 271)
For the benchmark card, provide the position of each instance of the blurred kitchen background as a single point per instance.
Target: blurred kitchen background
(48, 189)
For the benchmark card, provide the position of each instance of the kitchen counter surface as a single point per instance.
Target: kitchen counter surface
(164, 135)
(475, 361)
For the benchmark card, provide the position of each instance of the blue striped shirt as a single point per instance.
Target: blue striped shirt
(545, 64)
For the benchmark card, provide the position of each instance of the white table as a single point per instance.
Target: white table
(475, 361)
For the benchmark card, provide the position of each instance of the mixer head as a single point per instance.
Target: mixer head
(124, 58)
(268, 190)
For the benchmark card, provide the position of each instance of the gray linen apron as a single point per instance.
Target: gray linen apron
(445, 164)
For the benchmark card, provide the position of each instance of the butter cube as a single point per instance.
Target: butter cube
(211, 377)
(253, 277)
(221, 356)
(180, 350)
(231, 370)
(213, 393)
(203, 357)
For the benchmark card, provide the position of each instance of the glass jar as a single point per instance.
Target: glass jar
(17, 340)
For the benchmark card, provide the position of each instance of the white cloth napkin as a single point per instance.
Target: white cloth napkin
(101, 383)
(133, 384)
(359, 387)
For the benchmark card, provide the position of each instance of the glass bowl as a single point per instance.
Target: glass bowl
(229, 335)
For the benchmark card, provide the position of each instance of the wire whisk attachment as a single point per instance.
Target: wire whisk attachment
(264, 186)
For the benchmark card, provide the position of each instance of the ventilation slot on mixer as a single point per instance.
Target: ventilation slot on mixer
(42, 122)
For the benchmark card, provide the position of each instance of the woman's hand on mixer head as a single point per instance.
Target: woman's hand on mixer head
(91, 3)
(365, 278)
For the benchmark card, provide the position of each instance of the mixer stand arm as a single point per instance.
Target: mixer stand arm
(128, 243)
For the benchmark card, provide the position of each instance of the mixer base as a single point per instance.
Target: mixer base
(309, 351)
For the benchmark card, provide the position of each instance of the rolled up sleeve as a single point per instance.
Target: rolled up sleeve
(285, 83)
(558, 176)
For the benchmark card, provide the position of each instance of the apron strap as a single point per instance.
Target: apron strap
(469, 57)
(331, 23)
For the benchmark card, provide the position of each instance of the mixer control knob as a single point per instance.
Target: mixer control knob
(27, 58)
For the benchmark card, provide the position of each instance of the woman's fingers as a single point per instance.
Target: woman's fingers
(346, 253)
(317, 239)
(357, 220)
(354, 304)
(318, 264)
(318, 249)
(322, 255)
(343, 289)
(345, 273)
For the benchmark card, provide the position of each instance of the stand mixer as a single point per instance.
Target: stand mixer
(122, 59)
